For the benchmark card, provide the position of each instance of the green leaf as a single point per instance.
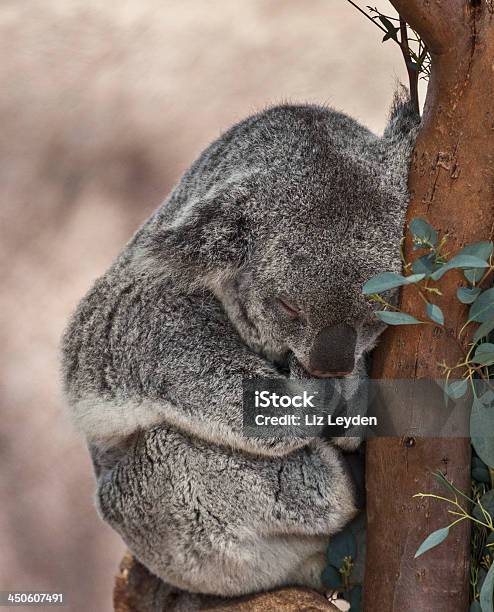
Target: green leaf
(391, 29)
(341, 545)
(477, 462)
(481, 475)
(481, 249)
(482, 431)
(389, 280)
(441, 479)
(480, 471)
(487, 398)
(456, 389)
(467, 295)
(483, 307)
(484, 354)
(459, 261)
(435, 314)
(432, 540)
(424, 264)
(331, 577)
(424, 235)
(475, 607)
(487, 501)
(396, 318)
(487, 592)
(481, 577)
(387, 23)
(484, 330)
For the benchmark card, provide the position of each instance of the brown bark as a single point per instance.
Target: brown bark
(451, 185)
(137, 590)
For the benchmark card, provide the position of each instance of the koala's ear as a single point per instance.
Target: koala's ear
(396, 145)
(208, 237)
(403, 119)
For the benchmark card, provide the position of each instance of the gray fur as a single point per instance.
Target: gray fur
(300, 202)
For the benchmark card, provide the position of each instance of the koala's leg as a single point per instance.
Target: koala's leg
(212, 520)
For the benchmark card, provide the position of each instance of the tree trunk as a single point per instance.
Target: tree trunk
(451, 185)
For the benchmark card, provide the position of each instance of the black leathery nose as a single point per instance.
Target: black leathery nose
(333, 350)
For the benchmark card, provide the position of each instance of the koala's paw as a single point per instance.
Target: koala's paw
(309, 572)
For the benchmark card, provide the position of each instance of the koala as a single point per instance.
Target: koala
(252, 268)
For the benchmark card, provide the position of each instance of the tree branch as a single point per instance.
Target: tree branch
(438, 22)
(411, 70)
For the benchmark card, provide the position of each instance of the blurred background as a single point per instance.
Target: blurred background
(102, 107)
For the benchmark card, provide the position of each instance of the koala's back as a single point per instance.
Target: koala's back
(284, 138)
(111, 316)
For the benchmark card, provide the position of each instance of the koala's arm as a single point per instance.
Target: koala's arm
(147, 355)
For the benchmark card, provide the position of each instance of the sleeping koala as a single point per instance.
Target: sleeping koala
(253, 267)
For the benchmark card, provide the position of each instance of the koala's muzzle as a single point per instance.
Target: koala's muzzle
(333, 351)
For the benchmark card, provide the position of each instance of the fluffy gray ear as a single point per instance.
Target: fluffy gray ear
(208, 236)
(397, 143)
(403, 119)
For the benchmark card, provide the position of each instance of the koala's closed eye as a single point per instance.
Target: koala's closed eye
(291, 310)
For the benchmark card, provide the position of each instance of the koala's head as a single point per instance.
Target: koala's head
(285, 218)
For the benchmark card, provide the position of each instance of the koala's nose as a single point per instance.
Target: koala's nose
(333, 351)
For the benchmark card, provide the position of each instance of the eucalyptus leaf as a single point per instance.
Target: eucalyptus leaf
(386, 23)
(481, 577)
(424, 264)
(391, 29)
(481, 249)
(487, 398)
(331, 577)
(487, 592)
(474, 276)
(481, 475)
(432, 540)
(396, 318)
(467, 295)
(459, 261)
(423, 233)
(435, 314)
(487, 501)
(389, 280)
(483, 308)
(477, 462)
(484, 354)
(441, 479)
(456, 388)
(484, 330)
(482, 431)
